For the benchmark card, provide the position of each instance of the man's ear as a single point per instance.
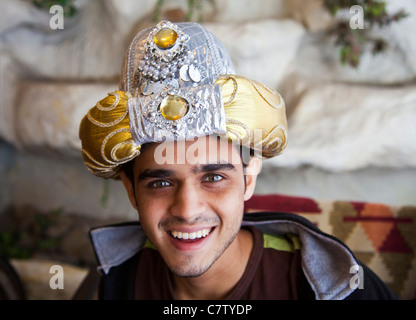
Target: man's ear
(252, 170)
(128, 184)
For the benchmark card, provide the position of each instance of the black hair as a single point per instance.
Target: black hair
(128, 167)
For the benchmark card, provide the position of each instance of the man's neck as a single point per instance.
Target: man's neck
(217, 282)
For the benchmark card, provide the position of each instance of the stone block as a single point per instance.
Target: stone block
(342, 127)
(261, 50)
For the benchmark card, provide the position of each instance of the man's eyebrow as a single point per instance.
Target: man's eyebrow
(155, 173)
(214, 167)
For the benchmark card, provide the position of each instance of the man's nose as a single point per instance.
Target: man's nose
(188, 202)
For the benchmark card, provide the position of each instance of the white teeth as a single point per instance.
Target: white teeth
(193, 235)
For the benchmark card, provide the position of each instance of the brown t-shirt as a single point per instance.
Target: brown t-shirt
(272, 272)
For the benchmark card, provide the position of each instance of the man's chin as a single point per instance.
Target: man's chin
(187, 274)
(188, 269)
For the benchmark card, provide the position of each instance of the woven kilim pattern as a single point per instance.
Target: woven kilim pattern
(382, 237)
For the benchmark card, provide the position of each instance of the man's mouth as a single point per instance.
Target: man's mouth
(196, 235)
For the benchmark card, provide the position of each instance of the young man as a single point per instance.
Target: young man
(178, 133)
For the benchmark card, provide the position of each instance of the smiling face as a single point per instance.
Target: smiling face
(191, 211)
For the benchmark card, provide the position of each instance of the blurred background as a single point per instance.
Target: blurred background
(348, 83)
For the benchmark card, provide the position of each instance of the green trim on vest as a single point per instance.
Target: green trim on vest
(288, 243)
(149, 245)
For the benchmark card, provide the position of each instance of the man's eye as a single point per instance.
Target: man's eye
(213, 178)
(159, 184)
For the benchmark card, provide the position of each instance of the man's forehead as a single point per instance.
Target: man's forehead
(201, 150)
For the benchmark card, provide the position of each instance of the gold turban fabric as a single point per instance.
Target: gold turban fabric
(178, 82)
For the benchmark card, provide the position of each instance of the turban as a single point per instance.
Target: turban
(178, 83)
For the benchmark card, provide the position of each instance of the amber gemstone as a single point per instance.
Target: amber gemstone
(165, 38)
(174, 107)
